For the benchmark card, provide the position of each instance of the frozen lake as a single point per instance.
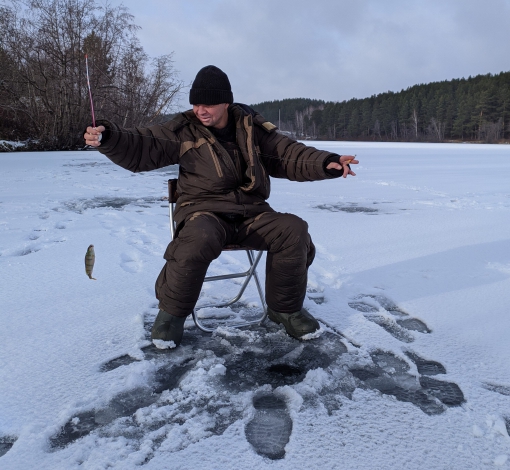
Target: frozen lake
(412, 277)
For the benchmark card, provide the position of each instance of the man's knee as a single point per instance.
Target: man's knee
(294, 230)
(201, 240)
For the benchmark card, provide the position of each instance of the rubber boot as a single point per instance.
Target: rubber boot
(296, 324)
(168, 327)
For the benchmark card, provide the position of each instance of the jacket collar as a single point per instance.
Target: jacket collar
(238, 112)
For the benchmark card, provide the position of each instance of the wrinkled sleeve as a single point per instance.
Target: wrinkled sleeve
(140, 149)
(284, 157)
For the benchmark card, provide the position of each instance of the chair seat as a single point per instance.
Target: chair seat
(232, 248)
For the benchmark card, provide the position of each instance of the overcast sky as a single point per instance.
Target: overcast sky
(327, 49)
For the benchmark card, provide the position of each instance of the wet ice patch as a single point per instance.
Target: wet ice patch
(196, 390)
(228, 317)
(118, 203)
(123, 405)
(222, 368)
(88, 164)
(351, 208)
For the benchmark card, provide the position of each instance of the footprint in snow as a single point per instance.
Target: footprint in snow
(131, 262)
(27, 250)
(315, 294)
(270, 428)
(393, 319)
(498, 388)
(424, 366)
(502, 390)
(390, 375)
(6, 442)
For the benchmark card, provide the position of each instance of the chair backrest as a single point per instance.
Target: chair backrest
(173, 195)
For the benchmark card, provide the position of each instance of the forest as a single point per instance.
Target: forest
(473, 109)
(44, 98)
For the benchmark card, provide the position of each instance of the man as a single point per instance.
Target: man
(226, 153)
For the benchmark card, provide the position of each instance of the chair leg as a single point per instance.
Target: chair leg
(251, 273)
(257, 281)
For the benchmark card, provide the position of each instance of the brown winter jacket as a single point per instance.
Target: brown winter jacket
(208, 178)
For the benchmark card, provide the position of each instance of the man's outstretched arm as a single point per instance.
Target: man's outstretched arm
(286, 158)
(135, 149)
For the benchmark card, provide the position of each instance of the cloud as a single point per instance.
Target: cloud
(327, 49)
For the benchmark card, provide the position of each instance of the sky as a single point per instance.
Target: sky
(327, 49)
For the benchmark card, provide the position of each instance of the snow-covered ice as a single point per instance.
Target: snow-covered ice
(411, 282)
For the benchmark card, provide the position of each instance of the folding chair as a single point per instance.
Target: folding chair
(251, 273)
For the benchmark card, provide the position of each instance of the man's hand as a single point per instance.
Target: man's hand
(93, 136)
(344, 161)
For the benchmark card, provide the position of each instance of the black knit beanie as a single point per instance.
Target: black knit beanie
(211, 86)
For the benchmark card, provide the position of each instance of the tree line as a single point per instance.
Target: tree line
(44, 95)
(43, 86)
(472, 109)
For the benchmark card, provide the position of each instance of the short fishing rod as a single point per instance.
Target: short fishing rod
(90, 91)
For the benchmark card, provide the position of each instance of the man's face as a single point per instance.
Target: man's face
(215, 115)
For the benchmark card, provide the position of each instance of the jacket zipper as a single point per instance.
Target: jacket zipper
(227, 159)
(216, 161)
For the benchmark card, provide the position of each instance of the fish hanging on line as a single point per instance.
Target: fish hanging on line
(90, 257)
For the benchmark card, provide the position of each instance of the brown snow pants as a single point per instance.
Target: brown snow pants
(285, 237)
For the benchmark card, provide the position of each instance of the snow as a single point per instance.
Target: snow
(421, 233)
(160, 344)
(7, 145)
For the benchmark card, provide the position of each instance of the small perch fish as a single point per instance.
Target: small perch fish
(90, 257)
